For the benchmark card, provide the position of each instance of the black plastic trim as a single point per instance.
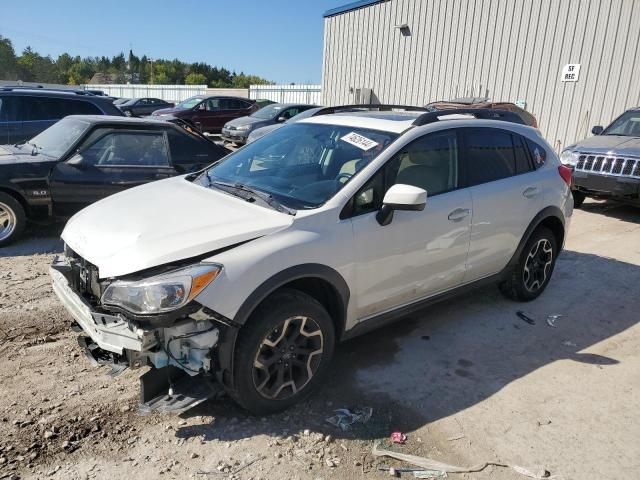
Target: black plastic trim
(307, 270)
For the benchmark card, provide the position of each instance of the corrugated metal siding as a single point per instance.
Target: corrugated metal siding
(310, 94)
(506, 50)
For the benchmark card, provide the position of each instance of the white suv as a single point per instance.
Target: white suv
(247, 274)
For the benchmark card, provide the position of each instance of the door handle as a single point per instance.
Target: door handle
(531, 192)
(459, 214)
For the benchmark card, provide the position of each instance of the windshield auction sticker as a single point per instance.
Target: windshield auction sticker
(359, 141)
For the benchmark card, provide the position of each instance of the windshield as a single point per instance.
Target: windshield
(188, 103)
(301, 165)
(57, 139)
(628, 125)
(267, 112)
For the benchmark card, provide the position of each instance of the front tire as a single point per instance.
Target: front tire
(12, 219)
(530, 276)
(282, 353)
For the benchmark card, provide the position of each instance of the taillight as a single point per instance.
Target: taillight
(565, 173)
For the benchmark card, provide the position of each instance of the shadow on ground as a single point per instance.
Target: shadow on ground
(610, 208)
(453, 355)
(35, 239)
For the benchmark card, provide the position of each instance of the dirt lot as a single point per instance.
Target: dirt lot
(467, 381)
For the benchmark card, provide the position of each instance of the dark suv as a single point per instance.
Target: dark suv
(25, 112)
(210, 114)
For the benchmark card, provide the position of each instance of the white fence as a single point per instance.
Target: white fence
(171, 93)
(287, 93)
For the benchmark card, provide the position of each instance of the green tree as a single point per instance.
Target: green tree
(195, 79)
(8, 61)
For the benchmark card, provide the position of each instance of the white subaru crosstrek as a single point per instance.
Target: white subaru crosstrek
(247, 274)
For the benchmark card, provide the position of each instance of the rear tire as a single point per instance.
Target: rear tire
(528, 278)
(282, 353)
(12, 219)
(578, 198)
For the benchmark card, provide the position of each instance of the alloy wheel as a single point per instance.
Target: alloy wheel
(7, 221)
(538, 265)
(288, 358)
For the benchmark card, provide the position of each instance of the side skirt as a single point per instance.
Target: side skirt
(373, 323)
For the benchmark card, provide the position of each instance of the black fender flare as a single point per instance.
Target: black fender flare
(304, 271)
(545, 213)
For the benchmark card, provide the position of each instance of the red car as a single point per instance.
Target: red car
(209, 114)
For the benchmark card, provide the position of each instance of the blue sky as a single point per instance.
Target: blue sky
(277, 39)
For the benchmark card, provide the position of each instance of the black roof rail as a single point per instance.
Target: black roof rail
(368, 106)
(479, 113)
(8, 88)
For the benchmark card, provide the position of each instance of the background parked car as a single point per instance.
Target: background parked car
(209, 114)
(82, 159)
(120, 101)
(476, 102)
(262, 131)
(238, 130)
(25, 112)
(138, 107)
(608, 164)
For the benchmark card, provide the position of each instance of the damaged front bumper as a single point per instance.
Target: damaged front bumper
(181, 355)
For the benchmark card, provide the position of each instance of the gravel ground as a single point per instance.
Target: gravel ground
(466, 380)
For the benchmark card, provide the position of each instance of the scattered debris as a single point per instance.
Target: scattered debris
(569, 343)
(542, 423)
(345, 418)
(523, 316)
(551, 319)
(429, 474)
(398, 437)
(457, 437)
(428, 464)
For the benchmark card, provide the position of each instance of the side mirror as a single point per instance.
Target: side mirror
(597, 130)
(401, 197)
(281, 119)
(77, 161)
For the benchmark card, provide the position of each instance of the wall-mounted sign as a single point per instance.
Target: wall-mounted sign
(522, 104)
(570, 72)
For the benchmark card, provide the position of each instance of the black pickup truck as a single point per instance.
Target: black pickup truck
(82, 159)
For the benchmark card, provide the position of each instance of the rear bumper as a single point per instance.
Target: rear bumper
(112, 333)
(605, 185)
(234, 136)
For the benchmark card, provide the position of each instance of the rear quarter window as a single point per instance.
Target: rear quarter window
(538, 153)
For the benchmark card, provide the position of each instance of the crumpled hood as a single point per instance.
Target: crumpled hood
(256, 122)
(616, 144)
(163, 222)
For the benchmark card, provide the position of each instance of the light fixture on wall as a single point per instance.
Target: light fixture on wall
(404, 29)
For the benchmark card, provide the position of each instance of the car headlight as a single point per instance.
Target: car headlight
(244, 128)
(161, 293)
(569, 157)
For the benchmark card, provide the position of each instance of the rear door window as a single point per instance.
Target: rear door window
(523, 159)
(489, 155)
(78, 107)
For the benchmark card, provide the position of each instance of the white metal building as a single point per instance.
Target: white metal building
(572, 63)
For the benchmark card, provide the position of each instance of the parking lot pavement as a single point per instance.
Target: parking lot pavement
(467, 380)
